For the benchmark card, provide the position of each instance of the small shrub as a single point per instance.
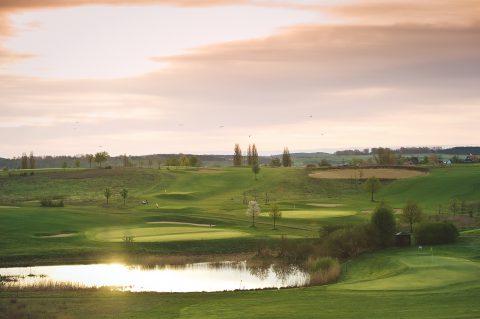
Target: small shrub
(293, 250)
(128, 240)
(435, 233)
(323, 270)
(47, 202)
(348, 242)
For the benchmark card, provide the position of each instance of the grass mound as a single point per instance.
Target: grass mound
(411, 271)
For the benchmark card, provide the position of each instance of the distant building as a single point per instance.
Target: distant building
(403, 239)
(471, 158)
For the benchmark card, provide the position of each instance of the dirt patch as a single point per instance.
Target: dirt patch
(181, 223)
(325, 205)
(9, 207)
(380, 173)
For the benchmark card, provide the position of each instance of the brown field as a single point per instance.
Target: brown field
(381, 173)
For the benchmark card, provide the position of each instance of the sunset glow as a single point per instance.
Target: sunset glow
(199, 76)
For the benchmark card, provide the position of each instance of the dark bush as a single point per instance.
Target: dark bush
(435, 233)
(349, 241)
(294, 250)
(384, 222)
(47, 202)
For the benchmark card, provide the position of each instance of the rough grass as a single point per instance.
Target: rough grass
(380, 173)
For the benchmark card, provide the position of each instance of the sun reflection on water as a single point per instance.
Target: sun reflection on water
(167, 278)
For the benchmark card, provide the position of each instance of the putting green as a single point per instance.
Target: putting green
(421, 271)
(471, 232)
(324, 213)
(165, 233)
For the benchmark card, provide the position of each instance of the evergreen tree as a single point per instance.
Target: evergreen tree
(249, 155)
(286, 158)
(383, 220)
(254, 156)
(237, 156)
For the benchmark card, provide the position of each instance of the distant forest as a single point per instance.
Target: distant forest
(156, 160)
(461, 150)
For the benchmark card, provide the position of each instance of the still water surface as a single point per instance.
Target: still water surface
(185, 278)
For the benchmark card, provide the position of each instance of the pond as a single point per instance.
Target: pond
(208, 277)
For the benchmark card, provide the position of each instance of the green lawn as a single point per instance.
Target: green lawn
(195, 196)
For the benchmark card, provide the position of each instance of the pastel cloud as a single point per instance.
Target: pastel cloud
(366, 82)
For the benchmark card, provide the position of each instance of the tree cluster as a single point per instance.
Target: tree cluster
(384, 156)
(27, 161)
(183, 160)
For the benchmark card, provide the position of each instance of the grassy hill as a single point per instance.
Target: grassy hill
(203, 196)
(201, 211)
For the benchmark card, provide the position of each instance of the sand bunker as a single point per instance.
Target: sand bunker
(381, 173)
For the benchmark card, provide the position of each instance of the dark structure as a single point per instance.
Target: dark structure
(403, 239)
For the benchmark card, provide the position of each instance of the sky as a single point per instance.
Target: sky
(197, 76)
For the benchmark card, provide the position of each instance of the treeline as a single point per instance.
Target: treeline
(386, 156)
(463, 150)
(103, 159)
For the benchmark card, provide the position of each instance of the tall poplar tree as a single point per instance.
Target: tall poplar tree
(286, 158)
(31, 161)
(249, 155)
(24, 161)
(237, 156)
(254, 155)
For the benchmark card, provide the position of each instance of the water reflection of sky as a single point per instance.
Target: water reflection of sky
(187, 278)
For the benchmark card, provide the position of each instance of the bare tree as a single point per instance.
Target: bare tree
(275, 213)
(253, 211)
(411, 213)
(373, 185)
